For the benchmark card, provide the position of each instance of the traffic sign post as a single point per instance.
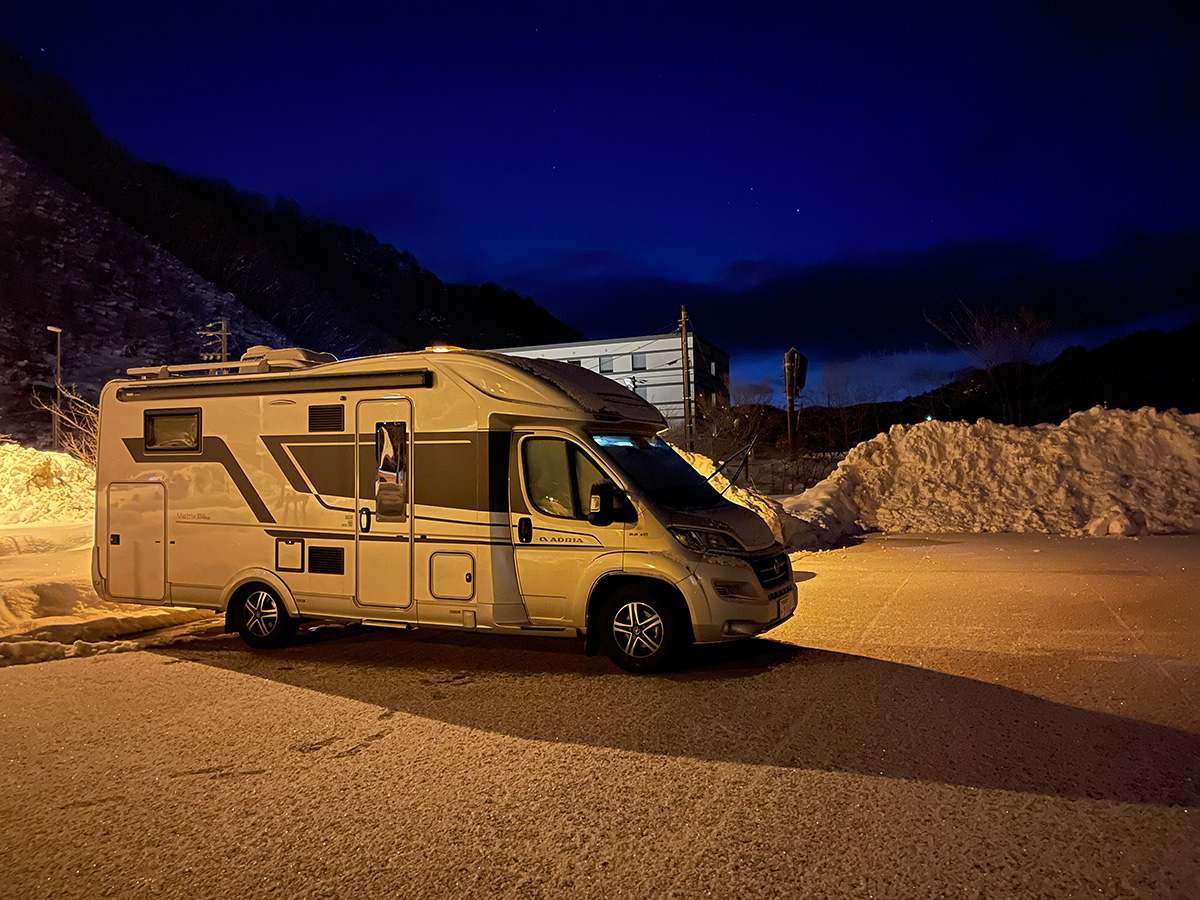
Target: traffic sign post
(795, 373)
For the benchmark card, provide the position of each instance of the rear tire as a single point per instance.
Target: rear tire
(262, 619)
(643, 631)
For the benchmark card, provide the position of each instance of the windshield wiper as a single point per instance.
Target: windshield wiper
(745, 454)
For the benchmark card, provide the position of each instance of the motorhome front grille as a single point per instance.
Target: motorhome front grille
(772, 571)
(331, 417)
(326, 560)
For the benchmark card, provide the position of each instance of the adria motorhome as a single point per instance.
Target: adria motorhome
(457, 489)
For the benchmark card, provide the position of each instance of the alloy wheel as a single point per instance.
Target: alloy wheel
(262, 613)
(638, 629)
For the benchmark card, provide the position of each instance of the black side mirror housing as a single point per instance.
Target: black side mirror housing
(601, 504)
(609, 504)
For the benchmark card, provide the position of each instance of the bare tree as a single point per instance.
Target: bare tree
(724, 431)
(1001, 343)
(79, 422)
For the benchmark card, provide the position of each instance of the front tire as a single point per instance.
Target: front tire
(262, 619)
(643, 630)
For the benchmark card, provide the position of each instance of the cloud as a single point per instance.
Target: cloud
(874, 303)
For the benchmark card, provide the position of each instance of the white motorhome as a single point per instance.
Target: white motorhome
(450, 488)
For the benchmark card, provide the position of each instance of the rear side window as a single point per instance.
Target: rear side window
(559, 477)
(171, 430)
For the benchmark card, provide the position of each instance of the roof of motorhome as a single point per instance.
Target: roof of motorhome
(586, 390)
(587, 345)
(593, 392)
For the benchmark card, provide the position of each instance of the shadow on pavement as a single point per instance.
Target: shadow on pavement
(758, 701)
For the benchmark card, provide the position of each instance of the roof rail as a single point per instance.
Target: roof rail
(256, 360)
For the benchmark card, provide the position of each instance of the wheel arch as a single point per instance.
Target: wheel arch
(607, 585)
(247, 578)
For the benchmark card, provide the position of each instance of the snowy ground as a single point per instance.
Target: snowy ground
(1010, 716)
(48, 609)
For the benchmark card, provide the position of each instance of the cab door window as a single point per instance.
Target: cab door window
(559, 477)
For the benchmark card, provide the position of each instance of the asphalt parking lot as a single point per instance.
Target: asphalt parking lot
(946, 716)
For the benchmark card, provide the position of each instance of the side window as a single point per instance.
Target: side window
(586, 475)
(391, 477)
(606, 364)
(171, 430)
(559, 477)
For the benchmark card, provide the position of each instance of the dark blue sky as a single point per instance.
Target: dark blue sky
(548, 144)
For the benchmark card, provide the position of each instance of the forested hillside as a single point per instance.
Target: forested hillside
(324, 285)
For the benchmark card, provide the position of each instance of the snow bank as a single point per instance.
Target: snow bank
(1101, 472)
(63, 640)
(48, 609)
(40, 485)
(56, 620)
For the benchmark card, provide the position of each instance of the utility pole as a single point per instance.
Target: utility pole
(216, 349)
(795, 374)
(57, 386)
(687, 380)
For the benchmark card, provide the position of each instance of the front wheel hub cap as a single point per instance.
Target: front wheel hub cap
(638, 629)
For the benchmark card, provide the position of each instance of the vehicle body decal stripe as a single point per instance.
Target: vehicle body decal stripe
(213, 450)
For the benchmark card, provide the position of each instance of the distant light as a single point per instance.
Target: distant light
(929, 418)
(441, 348)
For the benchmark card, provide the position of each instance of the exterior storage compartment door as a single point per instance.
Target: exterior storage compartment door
(137, 551)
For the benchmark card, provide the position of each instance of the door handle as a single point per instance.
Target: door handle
(364, 520)
(525, 529)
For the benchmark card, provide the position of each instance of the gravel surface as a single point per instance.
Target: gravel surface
(946, 716)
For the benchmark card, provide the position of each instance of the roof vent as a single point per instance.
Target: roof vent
(287, 357)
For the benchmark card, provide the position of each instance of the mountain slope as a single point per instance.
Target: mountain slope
(120, 300)
(323, 284)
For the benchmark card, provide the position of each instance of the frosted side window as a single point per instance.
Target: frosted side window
(172, 430)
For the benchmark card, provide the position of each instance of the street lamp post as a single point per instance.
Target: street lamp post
(57, 386)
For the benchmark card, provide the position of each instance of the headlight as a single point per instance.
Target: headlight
(705, 541)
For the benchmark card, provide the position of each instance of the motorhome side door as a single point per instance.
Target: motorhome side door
(383, 500)
(554, 545)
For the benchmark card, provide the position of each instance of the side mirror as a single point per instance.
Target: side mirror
(602, 506)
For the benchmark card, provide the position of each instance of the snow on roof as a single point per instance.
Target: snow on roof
(600, 396)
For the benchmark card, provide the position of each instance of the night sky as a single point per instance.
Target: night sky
(557, 148)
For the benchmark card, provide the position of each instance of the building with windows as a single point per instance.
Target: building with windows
(652, 366)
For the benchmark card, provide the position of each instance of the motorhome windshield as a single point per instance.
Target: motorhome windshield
(661, 473)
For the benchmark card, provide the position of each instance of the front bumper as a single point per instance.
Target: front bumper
(722, 614)
(740, 628)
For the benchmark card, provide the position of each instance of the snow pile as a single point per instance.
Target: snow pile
(1101, 472)
(63, 617)
(39, 485)
(65, 639)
